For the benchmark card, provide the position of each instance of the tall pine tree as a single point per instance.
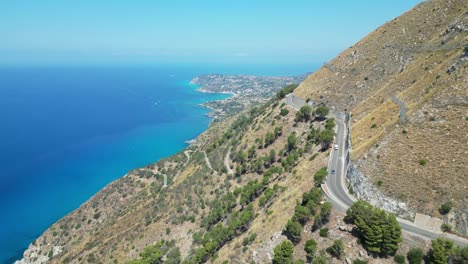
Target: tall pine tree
(379, 230)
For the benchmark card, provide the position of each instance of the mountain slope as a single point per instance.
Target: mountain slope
(205, 214)
(407, 88)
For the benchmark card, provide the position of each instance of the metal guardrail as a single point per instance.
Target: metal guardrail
(348, 141)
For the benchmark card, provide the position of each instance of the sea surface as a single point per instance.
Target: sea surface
(66, 132)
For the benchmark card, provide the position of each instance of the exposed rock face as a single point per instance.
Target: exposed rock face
(367, 191)
(458, 220)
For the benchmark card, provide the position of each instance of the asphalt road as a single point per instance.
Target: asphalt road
(335, 187)
(295, 102)
(335, 181)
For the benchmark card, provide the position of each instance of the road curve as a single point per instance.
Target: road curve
(335, 187)
(295, 102)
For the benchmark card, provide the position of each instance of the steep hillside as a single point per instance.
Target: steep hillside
(406, 85)
(252, 181)
(243, 176)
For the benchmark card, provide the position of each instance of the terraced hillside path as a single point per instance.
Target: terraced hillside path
(208, 163)
(227, 162)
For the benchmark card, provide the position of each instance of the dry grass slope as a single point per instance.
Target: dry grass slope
(418, 57)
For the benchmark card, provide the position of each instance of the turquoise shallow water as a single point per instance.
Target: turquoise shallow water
(67, 132)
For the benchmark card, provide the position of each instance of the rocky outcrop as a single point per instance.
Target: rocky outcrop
(365, 190)
(458, 219)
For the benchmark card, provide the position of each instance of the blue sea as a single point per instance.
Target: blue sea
(66, 132)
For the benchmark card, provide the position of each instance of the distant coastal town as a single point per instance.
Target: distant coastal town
(245, 89)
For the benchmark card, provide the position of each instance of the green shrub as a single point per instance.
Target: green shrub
(323, 232)
(293, 231)
(283, 253)
(440, 251)
(399, 259)
(322, 111)
(320, 176)
(422, 162)
(373, 126)
(310, 247)
(304, 114)
(97, 215)
(301, 214)
(445, 208)
(284, 112)
(337, 249)
(415, 256)
(319, 260)
(358, 261)
(330, 124)
(285, 91)
(446, 227)
(248, 240)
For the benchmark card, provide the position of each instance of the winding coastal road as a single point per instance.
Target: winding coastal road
(335, 187)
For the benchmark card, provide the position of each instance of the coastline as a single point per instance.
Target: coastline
(31, 249)
(214, 113)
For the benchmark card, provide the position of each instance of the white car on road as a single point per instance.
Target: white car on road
(336, 147)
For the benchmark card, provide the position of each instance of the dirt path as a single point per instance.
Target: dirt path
(227, 162)
(207, 161)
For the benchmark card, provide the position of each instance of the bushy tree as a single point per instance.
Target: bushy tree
(283, 253)
(293, 231)
(292, 141)
(445, 208)
(152, 254)
(285, 91)
(301, 214)
(459, 255)
(320, 176)
(304, 114)
(325, 138)
(337, 249)
(314, 195)
(269, 138)
(173, 256)
(330, 124)
(379, 230)
(272, 156)
(440, 251)
(323, 232)
(323, 217)
(310, 247)
(319, 260)
(415, 256)
(322, 111)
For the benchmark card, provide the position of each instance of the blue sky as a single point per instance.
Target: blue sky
(241, 31)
